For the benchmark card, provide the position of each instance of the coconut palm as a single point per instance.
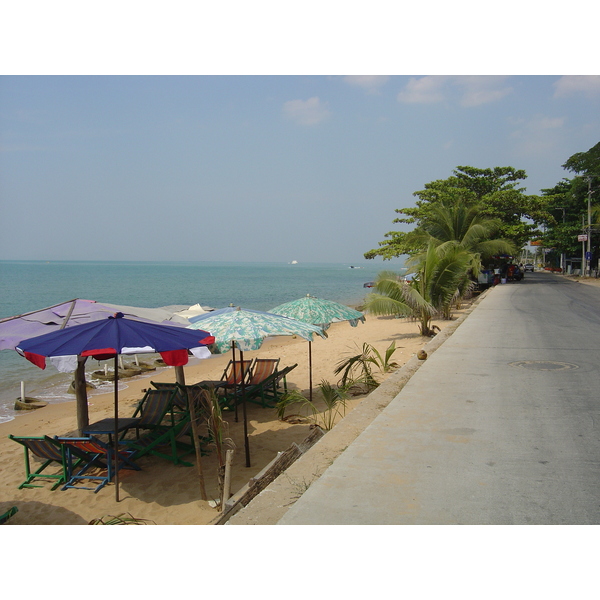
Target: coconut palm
(464, 227)
(438, 280)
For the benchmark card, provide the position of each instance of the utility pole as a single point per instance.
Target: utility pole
(589, 229)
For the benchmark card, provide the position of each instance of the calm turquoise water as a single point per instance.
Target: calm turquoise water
(28, 286)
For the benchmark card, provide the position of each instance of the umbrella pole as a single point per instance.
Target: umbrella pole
(116, 443)
(246, 441)
(310, 370)
(235, 380)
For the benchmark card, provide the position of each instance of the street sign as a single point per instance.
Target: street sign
(582, 238)
(588, 256)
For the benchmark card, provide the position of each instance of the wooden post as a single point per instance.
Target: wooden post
(80, 387)
(191, 399)
(227, 481)
(180, 376)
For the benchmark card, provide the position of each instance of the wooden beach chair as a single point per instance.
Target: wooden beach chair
(50, 452)
(156, 408)
(179, 401)
(173, 442)
(97, 451)
(231, 377)
(265, 391)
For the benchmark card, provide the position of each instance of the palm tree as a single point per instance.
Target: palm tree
(433, 289)
(463, 226)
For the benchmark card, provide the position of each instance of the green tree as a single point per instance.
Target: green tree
(494, 191)
(435, 287)
(568, 205)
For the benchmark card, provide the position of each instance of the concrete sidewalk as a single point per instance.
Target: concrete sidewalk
(492, 429)
(274, 502)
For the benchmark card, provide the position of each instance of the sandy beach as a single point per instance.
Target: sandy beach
(167, 494)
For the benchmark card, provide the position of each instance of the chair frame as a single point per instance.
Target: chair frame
(49, 451)
(95, 449)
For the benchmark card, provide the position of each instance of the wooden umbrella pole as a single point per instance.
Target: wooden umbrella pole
(116, 442)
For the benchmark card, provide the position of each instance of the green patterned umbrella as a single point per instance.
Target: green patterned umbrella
(318, 312)
(246, 329)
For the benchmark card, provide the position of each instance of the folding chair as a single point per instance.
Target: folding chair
(96, 450)
(231, 376)
(154, 408)
(49, 451)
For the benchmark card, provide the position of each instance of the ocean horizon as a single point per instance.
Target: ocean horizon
(29, 285)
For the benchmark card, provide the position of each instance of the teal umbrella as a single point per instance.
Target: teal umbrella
(321, 313)
(246, 329)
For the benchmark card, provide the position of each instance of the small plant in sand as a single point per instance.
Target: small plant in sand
(357, 369)
(122, 519)
(333, 398)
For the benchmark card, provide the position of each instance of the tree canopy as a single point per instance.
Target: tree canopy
(494, 192)
(568, 203)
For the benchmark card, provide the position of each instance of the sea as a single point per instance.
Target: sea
(32, 285)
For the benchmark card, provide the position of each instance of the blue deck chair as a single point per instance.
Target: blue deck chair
(50, 452)
(96, 451)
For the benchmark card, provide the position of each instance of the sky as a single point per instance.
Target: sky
(252, 161)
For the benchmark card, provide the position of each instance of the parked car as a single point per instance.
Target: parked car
(528, 267)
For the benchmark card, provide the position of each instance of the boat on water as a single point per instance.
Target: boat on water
(369, 284)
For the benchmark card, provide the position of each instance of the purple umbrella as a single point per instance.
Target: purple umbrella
(113, 336)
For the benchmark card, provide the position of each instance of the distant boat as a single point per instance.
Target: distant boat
(369, 284)
(294, 262)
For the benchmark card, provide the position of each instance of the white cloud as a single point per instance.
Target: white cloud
(424, 90)
(482, 89)
(306, 112)
(475, 89)
(577, 85)
(370, 83)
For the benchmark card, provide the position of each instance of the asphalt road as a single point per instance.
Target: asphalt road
(499, 426)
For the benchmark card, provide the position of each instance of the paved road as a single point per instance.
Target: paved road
(499, 426)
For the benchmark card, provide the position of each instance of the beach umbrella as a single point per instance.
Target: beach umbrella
(321, 313)
(245, 329)
(69, 314)
(108, 338)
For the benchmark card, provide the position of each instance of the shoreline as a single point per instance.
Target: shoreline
(168, 494)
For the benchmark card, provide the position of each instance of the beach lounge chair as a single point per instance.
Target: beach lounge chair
(166, 442)
(179, 401)
(155, 409)
(265, 392)
(97, 451)
(262, 368)
(231, 376)
(50, 452)
(172, 442)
